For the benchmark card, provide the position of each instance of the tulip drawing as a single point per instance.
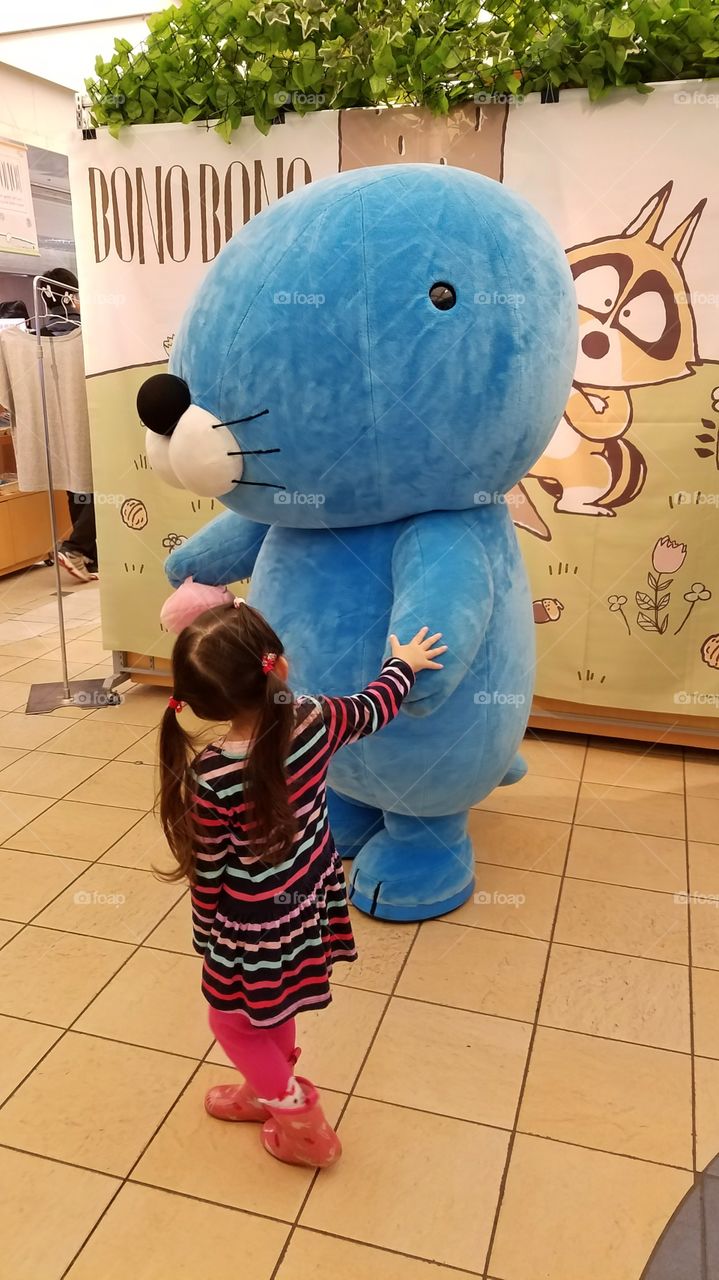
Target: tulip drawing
(667, 558)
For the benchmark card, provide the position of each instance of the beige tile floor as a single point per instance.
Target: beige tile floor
(525, 1090)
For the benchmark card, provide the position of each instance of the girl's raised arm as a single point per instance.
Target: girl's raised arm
(360, 714)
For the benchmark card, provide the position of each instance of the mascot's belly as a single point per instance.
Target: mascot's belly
(329, 595)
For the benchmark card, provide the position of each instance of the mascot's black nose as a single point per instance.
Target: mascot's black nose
(161, 402)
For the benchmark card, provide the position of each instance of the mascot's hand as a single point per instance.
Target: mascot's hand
(223, 551)
(441, 571)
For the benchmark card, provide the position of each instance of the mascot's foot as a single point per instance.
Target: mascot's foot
(516, 770)
(351, 824)
(415, 869)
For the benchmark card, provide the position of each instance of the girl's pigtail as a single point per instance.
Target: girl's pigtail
(175, 799)
(272, 818)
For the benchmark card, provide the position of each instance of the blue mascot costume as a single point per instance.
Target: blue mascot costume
(369, 366)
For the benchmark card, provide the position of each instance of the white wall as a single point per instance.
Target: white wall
(34, 111)
(47, 13)
(66, 54)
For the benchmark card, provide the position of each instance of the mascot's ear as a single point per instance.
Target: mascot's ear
(161, 402)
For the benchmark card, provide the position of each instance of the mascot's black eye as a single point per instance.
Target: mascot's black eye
(442, 296)
(161, 402)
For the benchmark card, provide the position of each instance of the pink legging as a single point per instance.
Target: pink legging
(261, 1054)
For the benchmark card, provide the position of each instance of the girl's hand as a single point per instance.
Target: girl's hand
(420, 651)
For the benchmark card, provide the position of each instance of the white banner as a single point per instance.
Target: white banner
(154, 208)
(18, 233)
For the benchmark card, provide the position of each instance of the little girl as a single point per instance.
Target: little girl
(247, 823)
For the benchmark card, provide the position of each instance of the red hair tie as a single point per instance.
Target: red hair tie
(175, 703)
(269, 661)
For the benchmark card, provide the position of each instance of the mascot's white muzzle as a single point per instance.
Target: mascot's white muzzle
(186, 445)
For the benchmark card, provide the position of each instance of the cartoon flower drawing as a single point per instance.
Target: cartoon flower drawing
(696, 593)
(668, 556)
(173, 540)
(616, 605)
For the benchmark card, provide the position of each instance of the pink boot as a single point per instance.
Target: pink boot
(239, 1101)
(302, 1135)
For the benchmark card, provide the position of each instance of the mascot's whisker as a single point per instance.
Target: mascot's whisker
(236, 453)
(235, 421)
(260, 484)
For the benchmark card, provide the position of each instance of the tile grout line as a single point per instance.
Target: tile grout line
(530, 1046)
(125, 1178)
(388, 1000)
(642, 1044)
(66, 1030)
(497, 933)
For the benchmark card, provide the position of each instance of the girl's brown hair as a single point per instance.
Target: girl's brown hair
(217, 671)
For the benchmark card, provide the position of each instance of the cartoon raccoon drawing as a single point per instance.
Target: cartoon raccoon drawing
(636, 328)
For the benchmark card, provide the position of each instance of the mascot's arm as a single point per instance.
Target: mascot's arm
(224, 551)
(441, 580)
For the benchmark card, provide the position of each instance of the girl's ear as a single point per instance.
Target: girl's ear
(282, 668)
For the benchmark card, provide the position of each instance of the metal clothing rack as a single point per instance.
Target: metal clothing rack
(65, 693)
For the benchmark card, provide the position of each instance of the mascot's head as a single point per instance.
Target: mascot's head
(382, 343)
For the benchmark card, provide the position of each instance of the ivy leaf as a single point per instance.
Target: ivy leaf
(224, 128)
(621, 27)
(278, 13)
(197, 93)
(236, 57)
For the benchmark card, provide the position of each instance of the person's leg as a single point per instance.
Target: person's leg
(284, 1038)
(84, 533)
(258, 1057)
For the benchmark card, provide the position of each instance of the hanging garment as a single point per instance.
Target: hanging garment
(66, 409)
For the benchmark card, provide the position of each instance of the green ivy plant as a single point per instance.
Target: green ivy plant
(220, 60)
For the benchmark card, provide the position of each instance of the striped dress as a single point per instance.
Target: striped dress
(271, 934)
